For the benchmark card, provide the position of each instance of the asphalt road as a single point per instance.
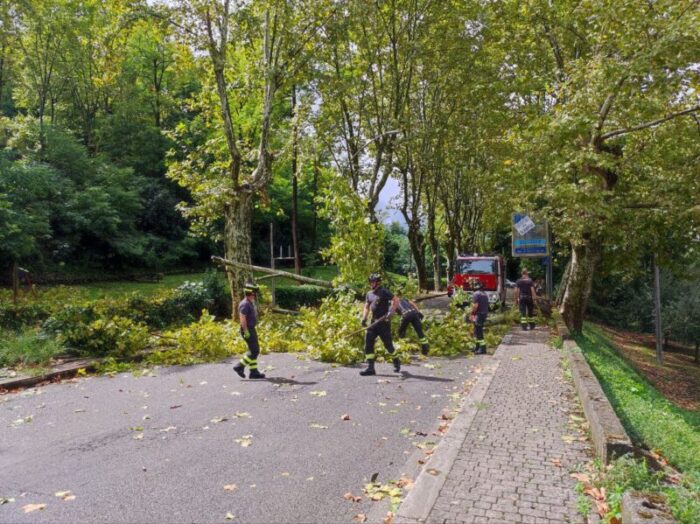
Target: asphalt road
(161, 447)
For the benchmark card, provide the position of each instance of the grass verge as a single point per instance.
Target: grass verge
(652, 422)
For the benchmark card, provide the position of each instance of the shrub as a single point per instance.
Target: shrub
(28, 347)
(118, 337)
(293, 297)
(16, 316)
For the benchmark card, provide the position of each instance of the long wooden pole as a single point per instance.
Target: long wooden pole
(267, 270)
(657, 314)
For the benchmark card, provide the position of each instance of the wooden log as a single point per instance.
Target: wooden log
(273, 272)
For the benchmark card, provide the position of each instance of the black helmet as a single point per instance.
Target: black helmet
(475, 284)
(249, 288)
(374, 277)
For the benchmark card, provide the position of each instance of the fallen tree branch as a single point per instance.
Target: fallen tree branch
(272, 272)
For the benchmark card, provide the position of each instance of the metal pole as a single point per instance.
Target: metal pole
(272, 263)
(657, 313)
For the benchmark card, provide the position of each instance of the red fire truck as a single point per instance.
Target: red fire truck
(490, 269)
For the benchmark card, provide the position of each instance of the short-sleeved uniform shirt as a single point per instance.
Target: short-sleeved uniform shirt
(482, 299)
(247, 308)
(379, 301)
(405, 306)
(525, 286)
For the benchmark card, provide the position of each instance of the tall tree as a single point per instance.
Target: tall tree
(262, 45)
(601, 86)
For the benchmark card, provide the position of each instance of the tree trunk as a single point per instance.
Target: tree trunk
(417, 245)
(435, 249)
(237, 240)
(584, 261)
(562, 284)
(295, 189)
(15, 282)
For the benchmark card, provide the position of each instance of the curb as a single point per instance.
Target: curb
(64, 370)
(609, 437)
(420, 500)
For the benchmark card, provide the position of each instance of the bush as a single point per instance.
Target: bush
(118, 337)
(293, 297)
(28, 347)
(17, 316)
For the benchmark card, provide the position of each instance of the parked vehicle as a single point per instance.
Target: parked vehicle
(489, 269)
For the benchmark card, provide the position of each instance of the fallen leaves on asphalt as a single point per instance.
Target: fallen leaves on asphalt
(318, 393)
(4, 500)
(242, 414)
(230, 487)
(29, 508)
(316, 425)
(230, 516)
(360, 517)
(216, 420)
(244, 441)
(345, 417)
(65, 495)
(353, 498)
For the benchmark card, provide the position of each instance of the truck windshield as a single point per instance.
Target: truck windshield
(477, 267)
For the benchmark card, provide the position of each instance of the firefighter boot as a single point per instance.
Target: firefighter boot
(254, 373)
(397, 365)
(532, 326)
(370, 369)
(240, 369)
(424, 349)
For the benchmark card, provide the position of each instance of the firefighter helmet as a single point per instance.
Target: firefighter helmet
(374, 277)
(475, 284)
(250, 288)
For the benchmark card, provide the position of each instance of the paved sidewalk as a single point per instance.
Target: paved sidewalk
(514, 465)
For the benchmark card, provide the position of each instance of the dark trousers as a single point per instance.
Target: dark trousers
(413, 318)
(527, 312)
(251, 357)
(382, 331)
(479, 322)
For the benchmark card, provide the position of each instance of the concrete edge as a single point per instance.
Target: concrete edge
(564, 332)
(421, 498)
(638, 507)
(609, 437)
(65, 370)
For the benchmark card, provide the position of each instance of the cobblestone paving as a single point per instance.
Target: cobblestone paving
(514, 465)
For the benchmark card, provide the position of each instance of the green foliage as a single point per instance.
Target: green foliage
(27, 347)
(628, 473)
(646, 414)
(202, 341)
(116, 336)
(16, 316)
(357, 243)
(292, 297)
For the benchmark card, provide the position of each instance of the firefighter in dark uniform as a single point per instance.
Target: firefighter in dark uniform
(478, 314)
(248, 317)
(410, 315)
(524, 297)
(383, 304)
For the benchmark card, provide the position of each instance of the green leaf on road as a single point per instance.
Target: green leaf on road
(317, 426)
(318, 393)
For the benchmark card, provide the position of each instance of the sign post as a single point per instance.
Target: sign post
(531, 239)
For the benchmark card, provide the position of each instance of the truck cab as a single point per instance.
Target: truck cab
(489, 269)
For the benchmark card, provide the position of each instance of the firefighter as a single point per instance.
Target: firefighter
(478, 314)
(410, 315)
(383, 304)
(248, 317)
(524, 297)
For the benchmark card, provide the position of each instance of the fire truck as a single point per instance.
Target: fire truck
(489, 269)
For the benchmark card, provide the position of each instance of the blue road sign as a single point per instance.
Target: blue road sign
(530, 237)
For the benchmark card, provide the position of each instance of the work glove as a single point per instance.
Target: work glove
(364, 322)
(245, 334)
(421, 315)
